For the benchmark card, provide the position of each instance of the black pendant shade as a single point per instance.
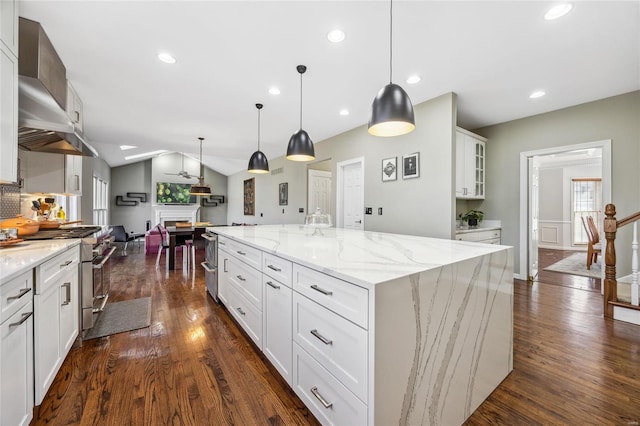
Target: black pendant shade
(200, 188)
(300, 146)
(391, 112)
(258, 162)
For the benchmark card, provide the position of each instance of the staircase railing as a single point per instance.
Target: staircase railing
(611, 226)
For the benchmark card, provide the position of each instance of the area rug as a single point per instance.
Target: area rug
(119, 317)
(576, 264)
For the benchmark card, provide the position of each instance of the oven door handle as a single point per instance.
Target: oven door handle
(206, 267)
(209, 237)
(106, 258)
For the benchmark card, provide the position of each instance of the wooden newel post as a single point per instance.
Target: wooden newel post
(610, 284)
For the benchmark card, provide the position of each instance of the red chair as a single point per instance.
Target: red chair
(187, 247)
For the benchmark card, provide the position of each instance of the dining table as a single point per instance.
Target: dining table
(177, 236)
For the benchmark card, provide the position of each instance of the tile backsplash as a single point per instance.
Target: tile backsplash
(9, 200)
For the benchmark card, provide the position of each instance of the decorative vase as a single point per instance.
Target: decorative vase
(473, 222)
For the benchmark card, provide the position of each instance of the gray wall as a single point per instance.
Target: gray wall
(422, 206)
(91, 167)
(551, 194)
(615, 118)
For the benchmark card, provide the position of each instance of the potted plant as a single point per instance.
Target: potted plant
(472, 217)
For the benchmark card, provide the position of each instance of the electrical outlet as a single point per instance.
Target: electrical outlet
(368, 210)
(380, 210)
(282, 211)
(301, 210)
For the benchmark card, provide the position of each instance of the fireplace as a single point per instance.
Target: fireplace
(163, 213)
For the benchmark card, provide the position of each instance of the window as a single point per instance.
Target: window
(100, 201)
(586, 200)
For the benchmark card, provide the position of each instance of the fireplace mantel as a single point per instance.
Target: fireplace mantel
(187, 213)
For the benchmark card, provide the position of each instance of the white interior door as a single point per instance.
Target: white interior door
(534, 208)
(319, 192)
(350, 199)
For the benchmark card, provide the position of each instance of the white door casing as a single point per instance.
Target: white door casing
(319, 191)
(605, 145)
(534, 209)
(350, 194)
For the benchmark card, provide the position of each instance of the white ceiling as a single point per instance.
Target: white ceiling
(492, 54)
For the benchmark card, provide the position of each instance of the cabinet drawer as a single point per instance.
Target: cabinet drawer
(339, 296)
(49, 271)
(247, 254)
(339, 345)
(15, 293)
(323, 394)
(479, 235)
(246, 280)
(223, 243)
(249, 318)
(277, 268)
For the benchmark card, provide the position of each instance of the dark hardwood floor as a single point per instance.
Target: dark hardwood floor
(193, 366)
(547, 257)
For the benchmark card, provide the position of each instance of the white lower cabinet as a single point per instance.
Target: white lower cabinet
(56, 321)
(328, 399)
(313, 328)
(16, 351)
(277, 326)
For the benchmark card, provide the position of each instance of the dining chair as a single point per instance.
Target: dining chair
(187, 247)
(593, 246)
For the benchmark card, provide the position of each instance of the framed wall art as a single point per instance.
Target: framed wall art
(389, 169)
(283, 194)
(249, 191)
(411, 166)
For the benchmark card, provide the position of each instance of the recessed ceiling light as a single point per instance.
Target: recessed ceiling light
(537, 94)
(145, 154)
(344, 112)
(336, 36)
(166, 58)
(274, 91)
(558, 11)
(414, 79)
(126, 147)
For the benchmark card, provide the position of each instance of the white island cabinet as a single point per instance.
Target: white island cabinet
(374, 328)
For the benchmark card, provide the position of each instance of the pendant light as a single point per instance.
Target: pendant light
(201, 188)
(258, 162)
(391, 110)
(300, 145)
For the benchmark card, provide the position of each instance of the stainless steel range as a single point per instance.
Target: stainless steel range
(95, 252)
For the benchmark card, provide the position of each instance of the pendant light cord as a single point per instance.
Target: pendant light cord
(201, 177)
(258, 129)
(300, 101)
(391, 42)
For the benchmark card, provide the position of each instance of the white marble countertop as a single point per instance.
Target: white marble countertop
(14, 260)
(361, 257)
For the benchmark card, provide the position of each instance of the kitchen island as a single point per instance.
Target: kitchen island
(373, 328)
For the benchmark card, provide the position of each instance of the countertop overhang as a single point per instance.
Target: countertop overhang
(362, 257)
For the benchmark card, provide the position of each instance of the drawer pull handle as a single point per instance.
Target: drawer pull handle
(22, 320)
(273, 268)
(271, 284)
(241, 253)
(241, 311)
(222, 243)
(241, 278)
(224, 265)
(321, 337)
(67, 263)
(22, 293)
(321, 290)
(68, 293)
(314, 391)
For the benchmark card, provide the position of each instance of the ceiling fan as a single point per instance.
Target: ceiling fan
(183, 173)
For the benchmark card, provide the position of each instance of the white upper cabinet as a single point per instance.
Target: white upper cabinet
(9, 25)
(470, 165)
(74, 107)
(51, 173)
(8, 90)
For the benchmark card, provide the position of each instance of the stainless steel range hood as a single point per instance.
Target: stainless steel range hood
(43, 124)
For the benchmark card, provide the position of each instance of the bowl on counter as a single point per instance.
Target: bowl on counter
(23, 225)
